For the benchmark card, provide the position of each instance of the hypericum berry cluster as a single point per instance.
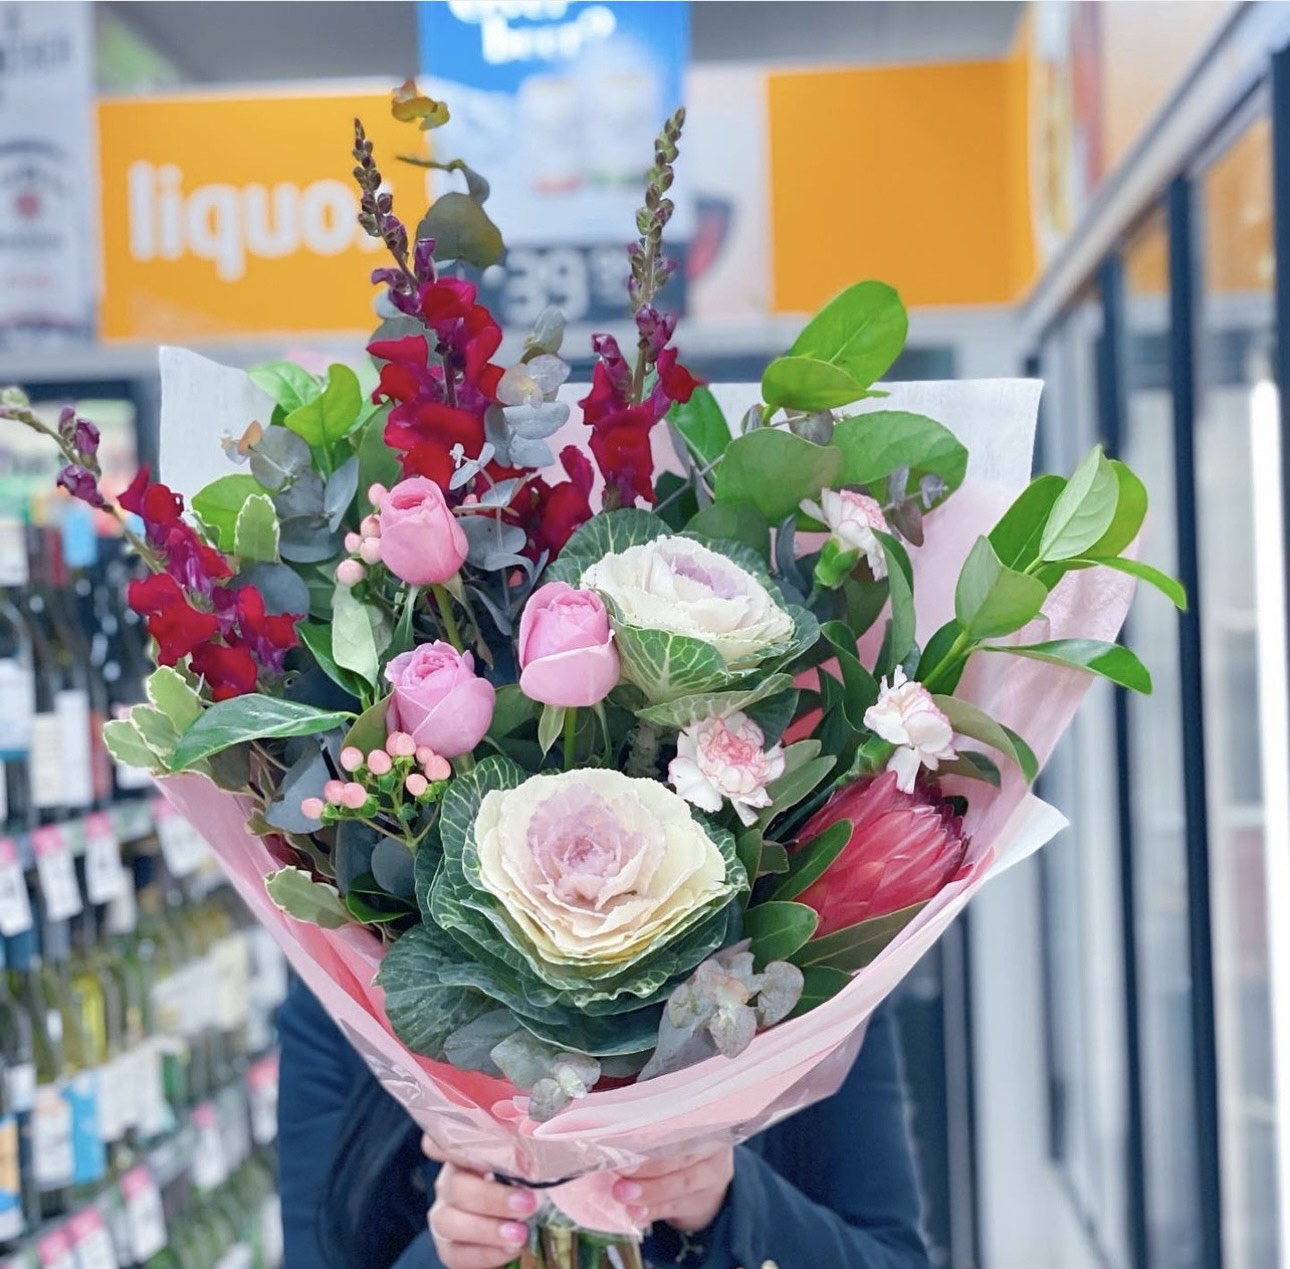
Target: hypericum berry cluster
(398, 779)
(364, 547)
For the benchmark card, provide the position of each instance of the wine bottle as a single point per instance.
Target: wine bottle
(12, 1221)
(19, 1094)
(17, 681)
(125, 666)
(51, 1119)
(158, 952)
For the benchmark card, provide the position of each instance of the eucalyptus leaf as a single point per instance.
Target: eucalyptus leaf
(462, 230)
(307, 540)
(284, 590)
(302, 497)
(341, 487)
(279, 457)
(392, 867)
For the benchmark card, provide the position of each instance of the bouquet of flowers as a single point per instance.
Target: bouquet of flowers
(602, 810)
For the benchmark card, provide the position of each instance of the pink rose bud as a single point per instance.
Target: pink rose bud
(376, 494)
(312, 808)
(369, 550)
(439, 699)
(566, 648)
(351, 758)
(350, 572)
(400, 745)
(352, 543)
(416, 784)
(421, 541)
(334, 792)
(436, 768)
(370, 527)
(378, 762)
(353, 796)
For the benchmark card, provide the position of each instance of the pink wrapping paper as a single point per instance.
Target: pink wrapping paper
(480, 1120)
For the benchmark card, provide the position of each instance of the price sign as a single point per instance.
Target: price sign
(54, 1251)
(105, 875)
(91, 1242)
(144, 1214)
(210, 1167)
(15, 904)
(56, 872)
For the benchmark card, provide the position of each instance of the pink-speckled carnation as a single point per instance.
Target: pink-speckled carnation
(720, 759)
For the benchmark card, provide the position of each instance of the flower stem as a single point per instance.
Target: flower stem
(570, 735)
(958, 648)
(444, 602)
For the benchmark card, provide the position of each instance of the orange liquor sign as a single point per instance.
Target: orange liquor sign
(228, 216)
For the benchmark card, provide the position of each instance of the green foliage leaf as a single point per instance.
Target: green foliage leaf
(903, 622)
(777, 930)
(1084, 511)
(511, 711)
(354, 636)
(299, 896)
(685, 710)
(773, 471)
(289, 385)
(378, 464)
(820, 983)
(610, 533)
(858, 945)
(126, 745)
(157, 732)
(735, 522)
(550, 725)
(1109, 660)
(1130, 512)
(462, 230)
(860, 687)
(811, 861)
(330, 416)
(803, 771)
(876, 444)
(251, 717)
(371, 727)
(976, 724)
(316, 636)
(174, 696)
(255, 532)
(220, 503)
(1015, 538)
(1170, 587)
(992, 600)
(702, 426)
(847, 346)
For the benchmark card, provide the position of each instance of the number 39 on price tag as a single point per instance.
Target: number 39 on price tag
(105, 876)
(15, 905)
(56, 872)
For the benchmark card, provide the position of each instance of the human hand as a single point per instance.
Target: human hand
(687, 1192)
(476, 1222)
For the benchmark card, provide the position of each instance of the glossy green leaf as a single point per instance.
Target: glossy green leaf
(903, 620)
(797, 781)
(174, 696)
(219, 504)
(290, 385)
(777, 930)
(701, 425)
(378, 464)
(316, 636)
(774, 470)
(251, 717)
(976, 724)
(1083, 511)
(371, 727)
(820, 983)
(992, 600)
(1016, 537)
(1130, 513)
(1109, 660)
(353, 638)
(858, 945)
(873, 445)
(255, 534)
(733, 522)
(809, 384)
(332, 415)
(299, 896)
(511, 711)
(1170, 587)
(811, 861)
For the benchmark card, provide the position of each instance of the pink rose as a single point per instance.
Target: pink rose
(723, 758)
(421, 541)
(439, 699)
(567, 654)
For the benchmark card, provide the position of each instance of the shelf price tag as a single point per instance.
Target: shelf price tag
(15, 904)
(91, 1241)
(262, 1085)
(105, 875)
(54, 1251)
(144, 1214)
(56, 872)
(181, 845)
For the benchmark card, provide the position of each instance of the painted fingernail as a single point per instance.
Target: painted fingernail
(625, 1191)
(513, 1231)
(521, 1202)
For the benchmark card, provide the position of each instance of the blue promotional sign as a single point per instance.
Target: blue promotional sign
(557, 105)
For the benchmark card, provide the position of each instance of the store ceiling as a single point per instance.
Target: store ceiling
(260, 41)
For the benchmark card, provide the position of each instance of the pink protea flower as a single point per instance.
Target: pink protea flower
(724, 758)
(904, 849)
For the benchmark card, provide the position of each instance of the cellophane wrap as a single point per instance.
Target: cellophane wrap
(480, 1120)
